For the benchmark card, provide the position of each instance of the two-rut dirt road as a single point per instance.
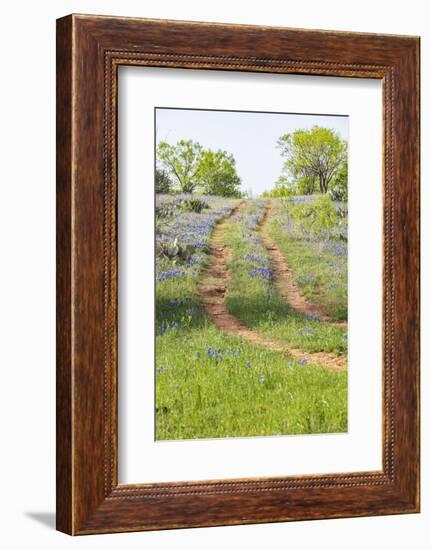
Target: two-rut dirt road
(213, 287)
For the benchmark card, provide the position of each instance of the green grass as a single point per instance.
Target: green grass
(320, 272)
(244, 390)
(218, 396)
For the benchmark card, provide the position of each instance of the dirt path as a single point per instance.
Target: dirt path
(212, 290)
(285, 282)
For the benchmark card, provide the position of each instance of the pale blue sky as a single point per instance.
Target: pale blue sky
(251, 137)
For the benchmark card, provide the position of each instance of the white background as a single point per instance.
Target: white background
(141, 458)
(27, 276)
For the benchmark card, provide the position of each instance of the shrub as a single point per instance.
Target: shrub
(306, 185)
(167, 209)
(278, 192)
(338, 186)
(174, 251)
(315, 216)
(282, 192)
(171, 207)
(162, 181)
(338, 191)
(194, 205)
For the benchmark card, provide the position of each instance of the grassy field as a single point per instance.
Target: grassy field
(319, 261)
(212, 384)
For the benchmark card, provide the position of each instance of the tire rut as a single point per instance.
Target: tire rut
(212, 290)
(285, 282)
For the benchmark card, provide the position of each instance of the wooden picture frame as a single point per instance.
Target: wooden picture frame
(89, 51)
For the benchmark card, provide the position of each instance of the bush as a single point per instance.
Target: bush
(315, 216)
(174, 251)
(194, 205)
(338, 191)
(278, 192)
(167, 209)
(338, 186)
(282, 192)
(306, 185)
(162, 181)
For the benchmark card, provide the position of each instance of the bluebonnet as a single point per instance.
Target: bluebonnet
(329, 245)
(261, 272)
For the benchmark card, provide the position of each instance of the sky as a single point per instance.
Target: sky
(250, 136)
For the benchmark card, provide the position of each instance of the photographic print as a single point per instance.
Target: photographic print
(251, 250)
(237, 233)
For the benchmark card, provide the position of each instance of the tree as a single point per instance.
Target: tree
(283, 188)
(285, 182)
(338, 186)
(217, 174)
(306, 185)
(182, 162)
(317, 153)
(162, 181)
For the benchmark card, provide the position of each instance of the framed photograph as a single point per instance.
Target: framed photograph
(237, 274)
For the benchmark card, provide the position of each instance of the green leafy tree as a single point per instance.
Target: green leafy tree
(280, 190)
(317, 153)
(287, 187)
(284, 182)
(217, 174)
(163, 182)
(182, 162)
